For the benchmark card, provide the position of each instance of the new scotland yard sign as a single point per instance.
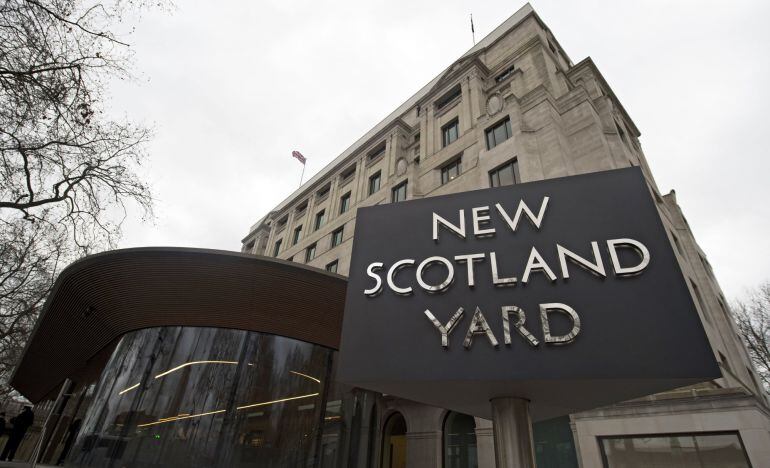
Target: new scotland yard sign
(564, 291)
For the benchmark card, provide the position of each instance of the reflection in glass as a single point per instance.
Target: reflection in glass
(675, 450)
(179, 396)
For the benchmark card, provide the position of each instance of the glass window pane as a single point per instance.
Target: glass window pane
(500, 134)
(676, 450)
(344, 203)
(494, 179)
(506, 175)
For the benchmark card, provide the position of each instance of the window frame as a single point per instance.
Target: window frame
(490, 131)
(454, 163)
(296, 235)
(605, 461)
(446, 138)
(456, 92)
(377, 152)
(345, 203)
(310, 249)
(320, 220)
(514, 163)
(403, 185)
(378, 177)
(339, 231)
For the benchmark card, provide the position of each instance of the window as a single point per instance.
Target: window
(337, 236)
(449, 132)
(310, 252)
(500, 132)
(324, 191)
(377, 152)
(348, 174)
(250, 246)
(282, 222)
(277, 247)
(507, 174)
(724, 362)
(301, 207)
(297, 235)
(399, 192)
(345, 203)
(505, 74)
(677, 244)
(450, 171)
(699, 299)
(706, 265)
(332, 267)
(459, 441)
(374, 183)
(674, 450)
(320, 219)
(449, 97)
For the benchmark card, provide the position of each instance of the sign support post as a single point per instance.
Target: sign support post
(512, 426)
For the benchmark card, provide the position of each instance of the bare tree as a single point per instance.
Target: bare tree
(753, 318)
(67, 168)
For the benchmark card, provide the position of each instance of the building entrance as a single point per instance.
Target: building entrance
(394, 442)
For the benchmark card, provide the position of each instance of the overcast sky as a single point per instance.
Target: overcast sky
(232, 87)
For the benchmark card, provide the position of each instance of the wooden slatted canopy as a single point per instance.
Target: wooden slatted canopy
(98, 299)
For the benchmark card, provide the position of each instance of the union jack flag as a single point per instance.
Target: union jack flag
(299, 156)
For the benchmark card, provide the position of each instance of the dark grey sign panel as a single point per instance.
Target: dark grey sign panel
(564, 291)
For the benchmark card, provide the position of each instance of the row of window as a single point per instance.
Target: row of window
(495, 135)
(507, 174)
(504, 175)
(310, 251)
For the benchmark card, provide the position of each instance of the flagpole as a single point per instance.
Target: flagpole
(303, 174)
(473, 31)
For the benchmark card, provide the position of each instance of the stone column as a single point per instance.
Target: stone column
(512, 427)
(485, 444)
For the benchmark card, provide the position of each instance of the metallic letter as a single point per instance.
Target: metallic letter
(479, 218)
(536, 263)
(595, 268)
(449, 278)
(613, 244)
(378, 281)
(392, 272)
(519, 325)
(565, 309)
(459, 230)
(445, 330)
(535, 220)
(496, 280)
(470, 258)
(479, 326)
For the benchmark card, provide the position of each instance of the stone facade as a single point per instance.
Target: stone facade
(564, 120)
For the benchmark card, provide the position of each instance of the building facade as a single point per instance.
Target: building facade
(515, 109)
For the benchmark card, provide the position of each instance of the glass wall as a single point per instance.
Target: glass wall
(554, 444)
(675, 450)
(179, 397)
